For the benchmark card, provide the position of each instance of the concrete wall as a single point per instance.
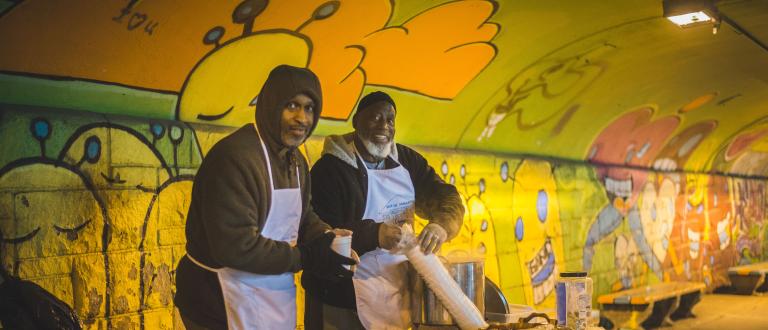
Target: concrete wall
(92, 208)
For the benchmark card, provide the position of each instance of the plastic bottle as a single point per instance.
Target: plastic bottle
(574, 300)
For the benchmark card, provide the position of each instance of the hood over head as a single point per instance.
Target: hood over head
(285, 82)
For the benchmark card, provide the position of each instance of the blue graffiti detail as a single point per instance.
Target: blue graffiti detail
(542, 202)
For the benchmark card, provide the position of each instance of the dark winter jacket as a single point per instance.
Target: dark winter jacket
(231, 199)
(339, 189)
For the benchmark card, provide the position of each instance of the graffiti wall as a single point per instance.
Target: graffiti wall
(93, 210)
(586, 137)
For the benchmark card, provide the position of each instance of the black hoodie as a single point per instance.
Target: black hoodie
(231, 199)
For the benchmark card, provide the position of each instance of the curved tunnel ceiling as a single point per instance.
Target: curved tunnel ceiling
(612, 82)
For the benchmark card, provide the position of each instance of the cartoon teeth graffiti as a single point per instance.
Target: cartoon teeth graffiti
(536, 212)
(542, 269)
(695, 227)
(694, 243)
(680, 147)
(683, 254)
(719, 228)
(634, 139)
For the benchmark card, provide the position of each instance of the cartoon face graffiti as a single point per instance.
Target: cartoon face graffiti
(695, 218)
(40, 233)
(346, 53)
(719, 213)
(657, 215)
(633, 139)
(680, 147)
(46, 224)
(537, 228)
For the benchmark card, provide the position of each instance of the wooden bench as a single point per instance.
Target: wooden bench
(651, 306)
(749, 279)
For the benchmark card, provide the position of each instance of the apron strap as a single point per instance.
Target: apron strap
(200, 264)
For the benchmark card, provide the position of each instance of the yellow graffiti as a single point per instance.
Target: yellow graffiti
(224, 85)
(536, 212)
(59, 241)
(348, 44)
(347, 52)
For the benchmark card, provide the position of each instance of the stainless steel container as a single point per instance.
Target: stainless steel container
(468, 272)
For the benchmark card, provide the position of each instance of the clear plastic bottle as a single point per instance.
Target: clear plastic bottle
(574, 300)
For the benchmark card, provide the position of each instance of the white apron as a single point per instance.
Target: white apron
(381, 281)
(255, 301)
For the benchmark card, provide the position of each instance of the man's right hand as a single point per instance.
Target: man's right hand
(389, 235)
(318, 258)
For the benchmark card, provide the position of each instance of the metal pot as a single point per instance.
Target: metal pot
(468, 272)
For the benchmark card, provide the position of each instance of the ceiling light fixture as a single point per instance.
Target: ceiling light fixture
(690, 13)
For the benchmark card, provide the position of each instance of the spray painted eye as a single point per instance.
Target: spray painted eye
(504, 172)
(176, 134)
(463, 171)
(41, 129)
(157, 129)
(542, 203)
(484, 225)
(213, 37)
(519, 230)
(92, 149)
(326, 10)
(444, 168)
(481, 185)
(248, 10)
(452, 179)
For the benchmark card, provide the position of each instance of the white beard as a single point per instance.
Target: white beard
(378, 151)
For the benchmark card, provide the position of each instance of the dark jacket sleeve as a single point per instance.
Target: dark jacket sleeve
(230, 216)
(338, 197)
(312, 225)
(436, 201)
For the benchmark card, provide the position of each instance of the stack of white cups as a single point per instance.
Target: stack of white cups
(463, 310)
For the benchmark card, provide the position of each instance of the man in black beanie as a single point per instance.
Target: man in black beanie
(367, 183)
(250, 225)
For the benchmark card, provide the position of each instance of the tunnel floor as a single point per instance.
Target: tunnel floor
(723, 311)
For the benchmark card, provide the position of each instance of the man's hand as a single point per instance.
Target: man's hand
(432, 238)
(317, 257)
(389, 236)
(341, 232)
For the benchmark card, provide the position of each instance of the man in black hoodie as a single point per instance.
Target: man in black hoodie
(367, 183)
(250, 225)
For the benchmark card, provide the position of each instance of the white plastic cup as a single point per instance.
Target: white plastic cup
(343, 246)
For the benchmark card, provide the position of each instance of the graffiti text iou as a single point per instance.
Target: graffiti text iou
(135, 19)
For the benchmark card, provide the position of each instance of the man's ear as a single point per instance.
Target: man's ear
(354, 121)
